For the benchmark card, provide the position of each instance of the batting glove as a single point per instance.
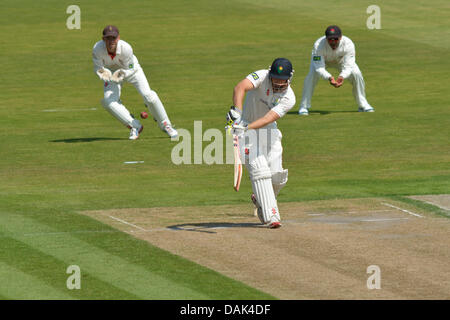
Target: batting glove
(233, 116)
(239, 129)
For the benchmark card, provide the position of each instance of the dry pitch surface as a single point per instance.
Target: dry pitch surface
(323, 250)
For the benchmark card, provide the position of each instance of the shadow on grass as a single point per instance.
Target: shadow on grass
(77, 140)
(323, 112)
(207, 226)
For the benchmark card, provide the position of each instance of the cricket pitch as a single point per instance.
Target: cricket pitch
(322, 251)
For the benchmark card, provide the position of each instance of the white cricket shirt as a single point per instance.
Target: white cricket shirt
(123, 59)
(343, 57)
(262, 99)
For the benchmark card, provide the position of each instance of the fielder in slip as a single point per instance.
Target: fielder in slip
(268, 97)
(114, 62)
(337, 51)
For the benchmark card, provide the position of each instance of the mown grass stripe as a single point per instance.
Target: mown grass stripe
(176, 272)
(19, 285)
(49, 272)
(180, 270)
(101, 264)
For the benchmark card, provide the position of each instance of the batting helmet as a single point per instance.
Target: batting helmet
(281, 68)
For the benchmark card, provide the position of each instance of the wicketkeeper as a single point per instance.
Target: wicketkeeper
(334, 51)
(268, 97)
(114, 63)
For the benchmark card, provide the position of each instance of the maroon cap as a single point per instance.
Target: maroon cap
(110, 31)
(333, 32)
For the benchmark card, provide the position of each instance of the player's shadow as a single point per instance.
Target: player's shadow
(323, 112)
(208, 227)
(78, 140)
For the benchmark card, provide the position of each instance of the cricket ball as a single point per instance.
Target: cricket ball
(144, 115)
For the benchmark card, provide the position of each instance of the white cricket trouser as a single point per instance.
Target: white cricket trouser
(261, 152)
(262, 142)
(356, 79)
(112, 103)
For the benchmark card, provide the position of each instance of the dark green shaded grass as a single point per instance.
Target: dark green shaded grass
(52, 271)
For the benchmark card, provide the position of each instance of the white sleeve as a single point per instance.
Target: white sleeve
(348, 61)
(97, 60)
(318, 61)
(285, 104)
(129, 66)
(257, 77)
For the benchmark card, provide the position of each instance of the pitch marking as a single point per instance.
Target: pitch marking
(68, 110)
(345, 212)
(404, 210)
(387, 219)
(127, 223)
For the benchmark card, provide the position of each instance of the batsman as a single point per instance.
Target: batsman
(259, 100)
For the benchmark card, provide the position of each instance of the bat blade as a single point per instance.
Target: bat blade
(237, 164)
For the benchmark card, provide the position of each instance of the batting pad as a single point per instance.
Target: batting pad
(266, 198)
(261, 179)
(259, 169)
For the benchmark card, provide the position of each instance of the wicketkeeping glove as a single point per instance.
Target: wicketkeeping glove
(118, 76)
(104, 74)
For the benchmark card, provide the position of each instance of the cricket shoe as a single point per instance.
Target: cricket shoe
(369, 109)
(275, 225)
(135, 132)
(258, 210)
(303, 112)
(171, 132)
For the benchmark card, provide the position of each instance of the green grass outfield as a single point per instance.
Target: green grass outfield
(58, 158)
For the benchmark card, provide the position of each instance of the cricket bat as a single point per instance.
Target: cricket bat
(237, 163)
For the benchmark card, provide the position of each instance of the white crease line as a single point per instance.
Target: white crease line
(68, 110)
(127, 223)
(388, 219)
(133, 162)
(373, 211)
(404, 210)
(154, 230)
(348, 212)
